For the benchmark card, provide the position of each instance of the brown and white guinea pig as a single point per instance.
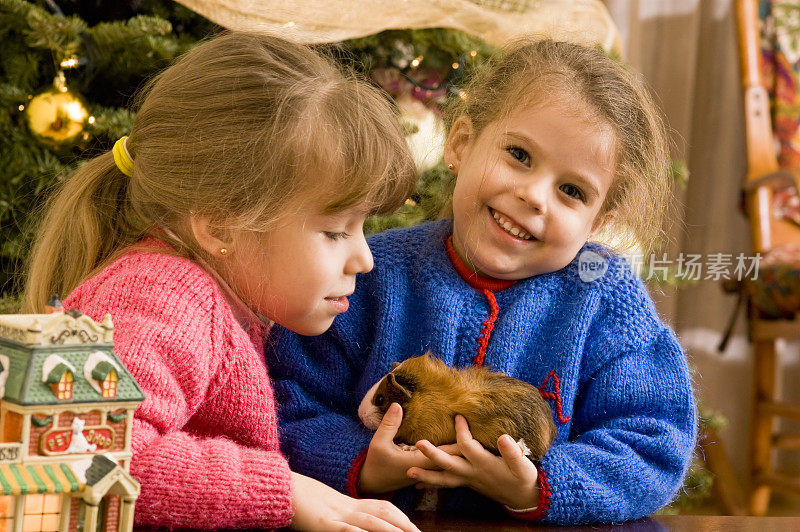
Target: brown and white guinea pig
(432, 393)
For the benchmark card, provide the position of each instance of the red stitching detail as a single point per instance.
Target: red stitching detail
(544, 500)
(554, 396)
(488, 325)
(544, 496)
(351, 486)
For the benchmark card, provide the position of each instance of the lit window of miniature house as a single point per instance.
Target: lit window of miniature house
(101, 373)
(60, 375)
(109, 384)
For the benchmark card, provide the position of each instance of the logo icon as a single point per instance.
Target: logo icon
(591, 266)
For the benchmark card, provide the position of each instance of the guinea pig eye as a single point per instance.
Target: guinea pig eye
(379, 400)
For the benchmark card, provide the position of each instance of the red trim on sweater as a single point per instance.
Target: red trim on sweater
(351, 486)
(488, 325)
(475, 280)
(544, 501)
(485, 285)
(555, 396)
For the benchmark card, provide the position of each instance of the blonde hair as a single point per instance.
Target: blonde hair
(236, 129)
(543, 71)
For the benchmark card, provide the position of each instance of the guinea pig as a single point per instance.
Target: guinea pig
(432, 393)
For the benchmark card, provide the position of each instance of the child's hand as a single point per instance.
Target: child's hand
(386, 466)
(318, 507)
(509, 479)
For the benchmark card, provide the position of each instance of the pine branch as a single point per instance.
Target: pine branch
(11, 95)
(140, 45)
(43, 30)
(21, 70)
(111, 123)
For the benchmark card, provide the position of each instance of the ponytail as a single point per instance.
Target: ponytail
(82, 228)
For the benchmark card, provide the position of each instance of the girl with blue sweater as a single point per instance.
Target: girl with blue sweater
(552, 142)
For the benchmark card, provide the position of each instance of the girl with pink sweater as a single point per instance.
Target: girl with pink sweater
(237, 200)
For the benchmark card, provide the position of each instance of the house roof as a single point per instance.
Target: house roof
(58, 477)
(100, 467)
(39, 478)
(42, 347)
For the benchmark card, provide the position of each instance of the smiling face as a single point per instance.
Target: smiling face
(530, 188)
(301, 273)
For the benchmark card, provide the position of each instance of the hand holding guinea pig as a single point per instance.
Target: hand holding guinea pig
(387, 464)
(509, 479)
(436, 398)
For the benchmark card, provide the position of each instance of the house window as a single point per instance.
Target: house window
(105, 375)
(63, 388)
(59, 374)
(109, 385)
(42, 512)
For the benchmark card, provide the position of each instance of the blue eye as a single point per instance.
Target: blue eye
(573, 192)
(519, 154)
(336, 236)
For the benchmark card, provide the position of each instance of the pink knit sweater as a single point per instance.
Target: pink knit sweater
(205, 440)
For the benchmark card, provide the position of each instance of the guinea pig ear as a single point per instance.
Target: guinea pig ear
(395, 391)
(394, 365)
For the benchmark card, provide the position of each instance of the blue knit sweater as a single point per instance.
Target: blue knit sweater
(613, 373)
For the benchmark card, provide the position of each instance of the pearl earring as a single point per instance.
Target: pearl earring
(223, 251)
(451, 167)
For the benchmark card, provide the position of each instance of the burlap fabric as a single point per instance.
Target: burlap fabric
(494, 21)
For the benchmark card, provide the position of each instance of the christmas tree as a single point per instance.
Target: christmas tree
(67, 75)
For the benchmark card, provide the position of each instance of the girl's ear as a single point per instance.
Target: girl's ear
(600, 222)
(458, 140)
(209, 239)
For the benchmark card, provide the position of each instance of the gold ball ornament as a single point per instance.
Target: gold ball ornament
(58, 116)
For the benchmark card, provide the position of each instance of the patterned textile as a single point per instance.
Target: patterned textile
(786, 204)
(776, 292)
(780, 74)
(780, 71)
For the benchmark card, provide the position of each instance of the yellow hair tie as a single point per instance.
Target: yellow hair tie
(122, 158)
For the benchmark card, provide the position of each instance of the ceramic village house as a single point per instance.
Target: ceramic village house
(65, 425)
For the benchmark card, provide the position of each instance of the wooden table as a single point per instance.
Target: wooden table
(663, 523)
(681, 523)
